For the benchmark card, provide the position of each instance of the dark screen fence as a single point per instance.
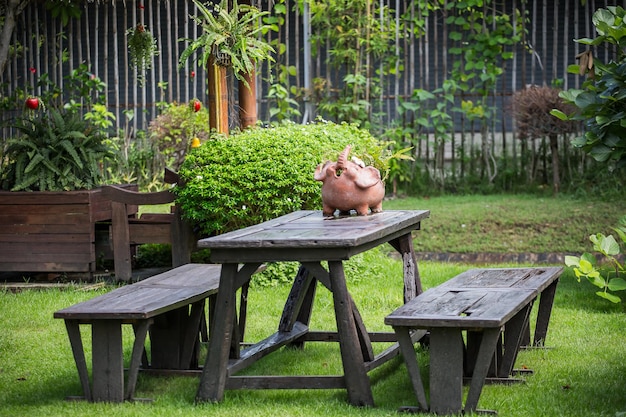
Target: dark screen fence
(421, 40)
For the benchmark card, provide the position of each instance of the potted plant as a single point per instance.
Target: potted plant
(229, 41)
(230, 38)
(50, 172)
(142, 47)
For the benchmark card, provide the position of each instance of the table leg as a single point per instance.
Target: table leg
(355, 375)
(73, 332)
(412, 280)
(214, 374)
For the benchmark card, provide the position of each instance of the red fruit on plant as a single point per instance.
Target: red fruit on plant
(32, 103)
(197, 106)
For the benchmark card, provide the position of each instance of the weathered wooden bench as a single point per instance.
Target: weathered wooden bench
(490, 305)
(171, 306)
(128, 231)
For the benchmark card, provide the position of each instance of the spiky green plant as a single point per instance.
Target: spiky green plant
(57, 151)
(231, 35)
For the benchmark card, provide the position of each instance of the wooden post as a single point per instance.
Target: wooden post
(247, 101)
(218, 97)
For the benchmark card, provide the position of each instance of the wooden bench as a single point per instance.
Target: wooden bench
(126, 231)
(170, 306)
(489, 304)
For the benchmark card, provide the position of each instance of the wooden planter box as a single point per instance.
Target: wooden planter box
(50, 231)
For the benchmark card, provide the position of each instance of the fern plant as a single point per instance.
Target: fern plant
(58, 151)
(231, 37)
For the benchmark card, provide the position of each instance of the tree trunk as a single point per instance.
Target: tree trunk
(12, 10)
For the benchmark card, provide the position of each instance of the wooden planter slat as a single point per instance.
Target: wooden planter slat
(51, 231)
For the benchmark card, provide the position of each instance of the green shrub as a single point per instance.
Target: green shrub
(262, 173)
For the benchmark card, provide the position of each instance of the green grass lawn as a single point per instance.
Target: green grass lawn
(580, 373)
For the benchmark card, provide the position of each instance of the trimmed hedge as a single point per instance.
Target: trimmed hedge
(263, 173)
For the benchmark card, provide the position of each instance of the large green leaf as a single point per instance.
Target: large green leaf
(617, 284)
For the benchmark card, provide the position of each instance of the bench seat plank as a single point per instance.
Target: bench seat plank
(528, 278)
(167, 291)
(470, 308)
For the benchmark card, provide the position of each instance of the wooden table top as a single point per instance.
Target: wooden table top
(308, 235)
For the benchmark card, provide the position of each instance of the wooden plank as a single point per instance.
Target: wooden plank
(266, 346)
(167, 291)
(292, 231)
(56, 250)
(11, 229)
(76, 342)
(410, 359)
(286, 382)
(357, 382)
(79, 235)
(214, 375)
(147, 232)
(465, 309)
(537, 278)
(107, 361)
(446, 371)
(44, 209)
(46, 267)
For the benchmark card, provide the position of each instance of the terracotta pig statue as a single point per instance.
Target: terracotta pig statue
(350, 185)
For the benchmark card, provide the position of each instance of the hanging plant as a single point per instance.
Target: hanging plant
(142, 47)
(230, 37)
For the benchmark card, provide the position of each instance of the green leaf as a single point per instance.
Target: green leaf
(607, 296)
(596, 279)
(586, 267)
(559, 114)
(572, 260)
(617, 284)
(609, 246)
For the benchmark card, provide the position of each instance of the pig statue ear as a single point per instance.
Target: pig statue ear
(367, 177)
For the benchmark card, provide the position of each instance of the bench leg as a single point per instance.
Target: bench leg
(108, 364)
(546, 300)
(73, 332)
(412, 366)
(513, 334)
(141, 330)
(446, 370)
(483, 361)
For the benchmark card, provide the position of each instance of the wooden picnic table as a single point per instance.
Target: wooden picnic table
(310, 239)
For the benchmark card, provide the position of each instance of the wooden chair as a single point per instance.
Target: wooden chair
(128, 231)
